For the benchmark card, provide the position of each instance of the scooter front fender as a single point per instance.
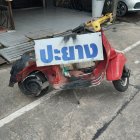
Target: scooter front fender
(115, 67)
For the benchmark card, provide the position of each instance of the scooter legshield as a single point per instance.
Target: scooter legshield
(115, 67)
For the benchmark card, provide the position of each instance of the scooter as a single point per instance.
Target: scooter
(35, 81)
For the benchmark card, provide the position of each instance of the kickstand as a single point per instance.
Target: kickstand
(76, 97)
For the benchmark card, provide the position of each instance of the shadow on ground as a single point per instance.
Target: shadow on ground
(130, 17)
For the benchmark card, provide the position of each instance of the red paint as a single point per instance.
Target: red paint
(111, 67)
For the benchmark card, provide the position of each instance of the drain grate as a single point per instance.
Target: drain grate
(12, 39)
(13, 45)
(12, 54)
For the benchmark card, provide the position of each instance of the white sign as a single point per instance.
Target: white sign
(57, 51)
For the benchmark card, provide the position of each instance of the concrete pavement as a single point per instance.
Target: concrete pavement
(126, 125)
(10, 99)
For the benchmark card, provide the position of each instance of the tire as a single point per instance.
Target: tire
(107, 6)
(32, 85)
(121, 9)
(122, 84)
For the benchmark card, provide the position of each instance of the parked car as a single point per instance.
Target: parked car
(127, 5)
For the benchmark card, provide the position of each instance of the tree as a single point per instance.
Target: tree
(114, 8)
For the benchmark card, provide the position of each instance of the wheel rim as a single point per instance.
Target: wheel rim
(124, 81)
(121, 9)
(33, 86)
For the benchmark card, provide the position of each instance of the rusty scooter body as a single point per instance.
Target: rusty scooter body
(35, 80)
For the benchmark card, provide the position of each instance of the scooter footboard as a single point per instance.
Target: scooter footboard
(115, 67)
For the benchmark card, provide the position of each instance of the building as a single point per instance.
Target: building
(6, 13)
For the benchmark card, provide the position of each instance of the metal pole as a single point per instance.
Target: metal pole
(44, 3)
(97, 8)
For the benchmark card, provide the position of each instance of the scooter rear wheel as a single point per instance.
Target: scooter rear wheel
(33, 85)
(122, 84)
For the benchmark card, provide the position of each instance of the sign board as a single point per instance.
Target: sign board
(57, 51)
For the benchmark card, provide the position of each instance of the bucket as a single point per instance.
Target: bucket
(97, 8)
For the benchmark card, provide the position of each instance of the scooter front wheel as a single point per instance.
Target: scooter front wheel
(122, 84)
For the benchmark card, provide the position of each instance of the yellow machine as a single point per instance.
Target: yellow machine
(96, 24)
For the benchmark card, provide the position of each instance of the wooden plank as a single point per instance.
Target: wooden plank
(10, 12)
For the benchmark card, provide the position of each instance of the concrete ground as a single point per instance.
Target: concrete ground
(53, 19)
(103, 113)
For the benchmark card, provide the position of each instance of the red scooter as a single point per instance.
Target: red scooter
(33, 80)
